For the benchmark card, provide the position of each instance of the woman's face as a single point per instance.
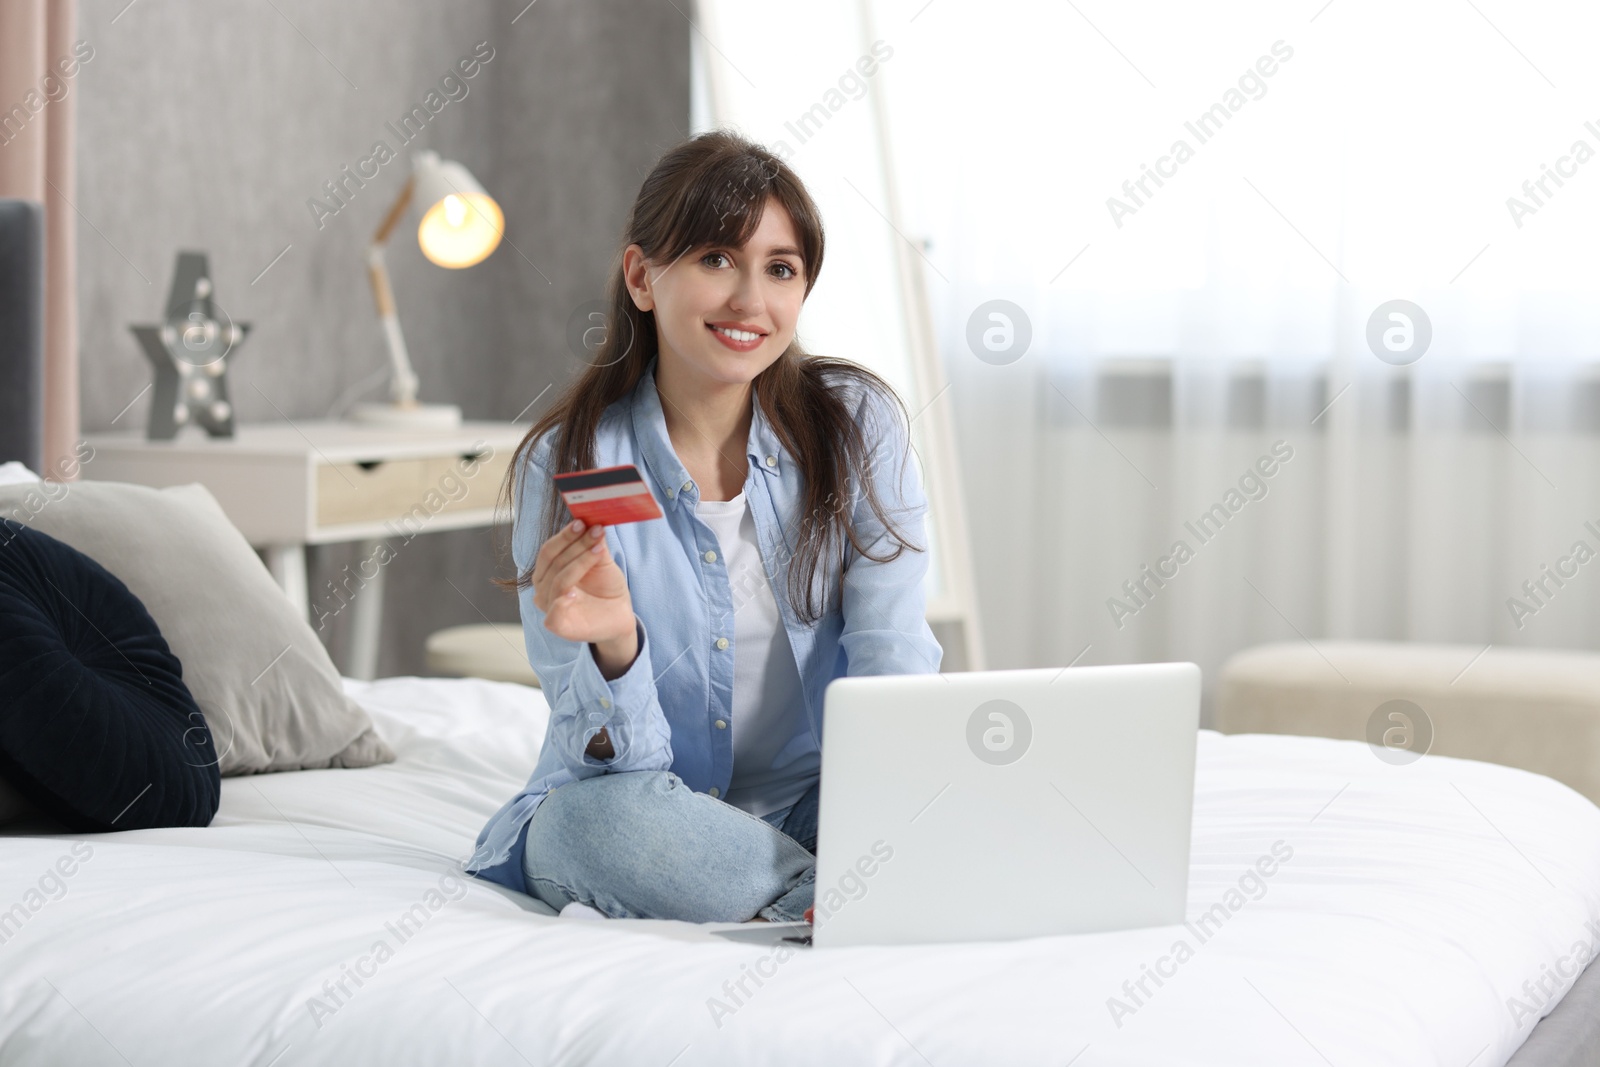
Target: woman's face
(758, 289)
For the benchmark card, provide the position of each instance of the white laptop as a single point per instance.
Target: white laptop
(992, 805)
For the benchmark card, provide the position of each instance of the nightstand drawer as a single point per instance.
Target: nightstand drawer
(393, 489)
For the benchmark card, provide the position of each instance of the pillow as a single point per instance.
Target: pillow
(14, 473)
(270, 694)
(13, 805)
(97, 729)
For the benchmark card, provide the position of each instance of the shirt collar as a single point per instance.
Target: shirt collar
(650, 430)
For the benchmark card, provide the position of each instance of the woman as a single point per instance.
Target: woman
(684, 658)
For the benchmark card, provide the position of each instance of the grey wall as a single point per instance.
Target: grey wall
(208, 126)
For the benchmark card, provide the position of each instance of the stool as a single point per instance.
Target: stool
(1538, 709)
(482, 650)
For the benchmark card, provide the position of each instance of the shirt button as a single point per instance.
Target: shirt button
(722, 642)
(722, 724)
(714, 791)
(711, 557)
(671, 492)
(772, 461)
(687, 486)
(604, 702)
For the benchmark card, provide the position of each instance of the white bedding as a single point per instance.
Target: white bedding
(1416, 902)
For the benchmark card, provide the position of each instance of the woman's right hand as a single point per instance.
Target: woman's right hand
(579, 587)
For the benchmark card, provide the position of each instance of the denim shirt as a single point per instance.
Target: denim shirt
(661, 713)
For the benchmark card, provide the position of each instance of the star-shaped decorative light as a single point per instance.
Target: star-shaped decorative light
(190, 353)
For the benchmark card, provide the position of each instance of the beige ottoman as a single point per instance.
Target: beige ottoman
(1537, 709)
(482, 650)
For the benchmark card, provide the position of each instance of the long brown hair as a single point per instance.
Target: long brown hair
(711, 191)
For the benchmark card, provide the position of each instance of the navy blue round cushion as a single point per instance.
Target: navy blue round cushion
(97, 729)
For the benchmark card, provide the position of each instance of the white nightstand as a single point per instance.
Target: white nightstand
(287, 485)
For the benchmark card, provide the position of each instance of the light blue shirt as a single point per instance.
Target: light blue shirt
(661, 713)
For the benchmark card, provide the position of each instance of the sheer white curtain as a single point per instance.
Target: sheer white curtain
(1338, 156)
(1229, 311)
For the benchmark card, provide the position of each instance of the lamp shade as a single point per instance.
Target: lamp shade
(461, 224)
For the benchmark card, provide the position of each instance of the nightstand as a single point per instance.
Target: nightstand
(289, 485)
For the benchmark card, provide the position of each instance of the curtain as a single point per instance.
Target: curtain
(1201, 314)
(40, 56)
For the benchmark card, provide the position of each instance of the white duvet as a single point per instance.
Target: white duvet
(1342, 911)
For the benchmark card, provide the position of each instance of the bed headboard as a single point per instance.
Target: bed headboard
(22, 332)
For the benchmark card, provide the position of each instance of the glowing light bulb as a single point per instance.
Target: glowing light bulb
(459, 229)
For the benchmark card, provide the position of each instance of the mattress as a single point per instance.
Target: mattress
(1431, 913)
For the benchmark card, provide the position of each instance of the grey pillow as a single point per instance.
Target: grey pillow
(271, 696)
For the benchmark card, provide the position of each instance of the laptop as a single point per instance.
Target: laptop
(994, 805)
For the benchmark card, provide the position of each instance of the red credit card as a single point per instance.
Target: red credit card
(607, 496)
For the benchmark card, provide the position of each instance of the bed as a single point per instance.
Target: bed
(1405, 909)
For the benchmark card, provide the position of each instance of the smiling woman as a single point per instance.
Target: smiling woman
(723, 235)
(674, 700)
(759, 285)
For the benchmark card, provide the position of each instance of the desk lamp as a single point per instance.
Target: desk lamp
(461, 224)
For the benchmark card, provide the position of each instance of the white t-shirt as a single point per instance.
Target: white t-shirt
(768, 706)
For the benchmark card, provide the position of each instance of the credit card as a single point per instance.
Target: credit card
(607, 496)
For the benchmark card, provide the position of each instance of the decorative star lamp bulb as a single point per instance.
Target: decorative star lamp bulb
(189, 352)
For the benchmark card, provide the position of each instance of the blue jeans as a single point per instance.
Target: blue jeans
(643, 845)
